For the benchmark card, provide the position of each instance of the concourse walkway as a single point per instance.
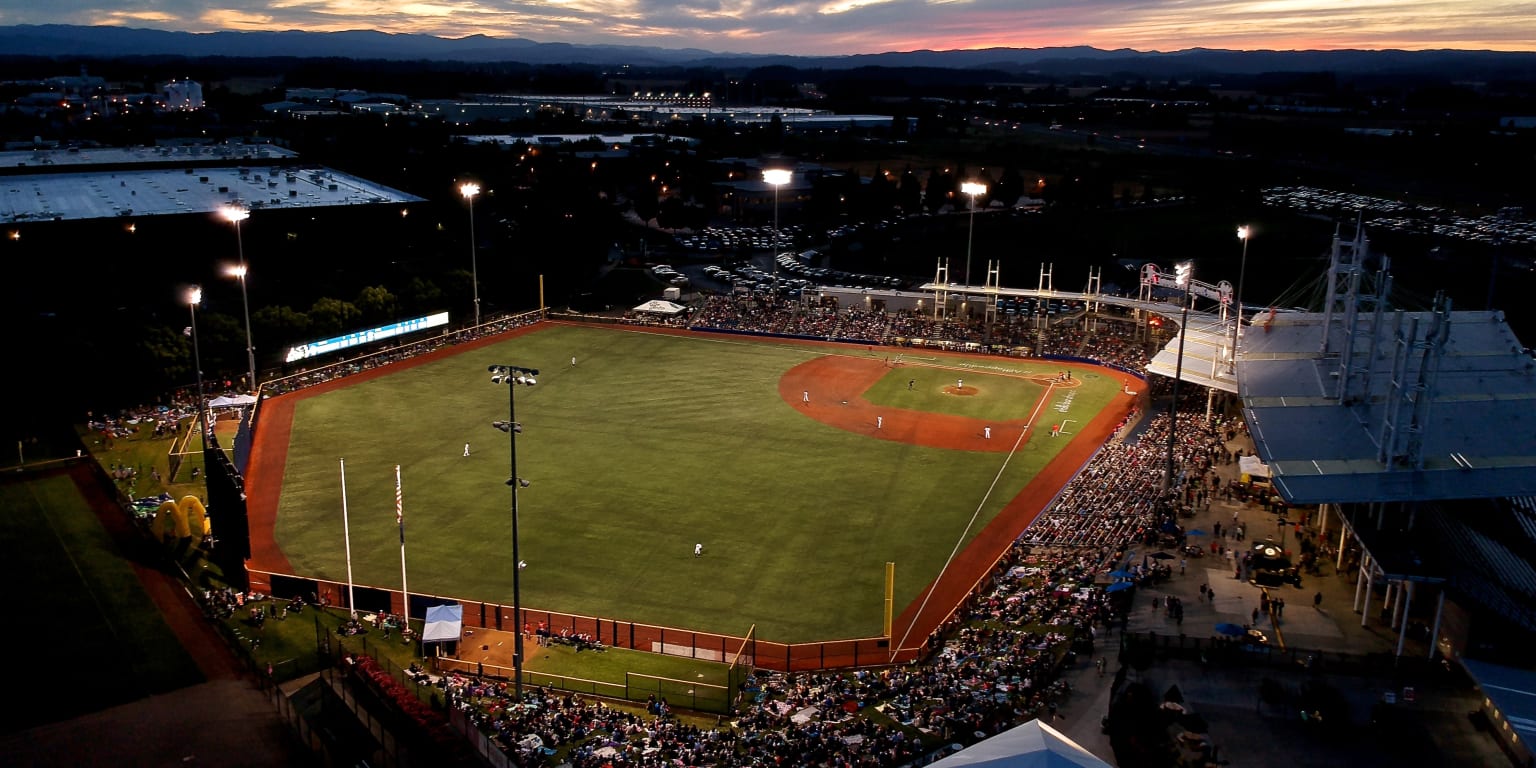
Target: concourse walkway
(1249, 734)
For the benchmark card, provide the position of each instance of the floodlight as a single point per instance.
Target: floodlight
(776, 176)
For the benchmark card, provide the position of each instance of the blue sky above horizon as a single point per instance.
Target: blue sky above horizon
(832, 27)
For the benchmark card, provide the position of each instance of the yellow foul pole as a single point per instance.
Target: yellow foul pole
(890, 595)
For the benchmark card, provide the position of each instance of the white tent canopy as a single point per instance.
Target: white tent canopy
(659, 307)
(230, 402)
(444, 624)
(1031, 745)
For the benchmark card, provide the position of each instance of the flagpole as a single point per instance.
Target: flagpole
(405, 591)
(347, 537)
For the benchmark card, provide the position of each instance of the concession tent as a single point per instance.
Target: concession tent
(444, 624)
(1252, 467)
(659, 307)
(1031, 745)
(231, 402)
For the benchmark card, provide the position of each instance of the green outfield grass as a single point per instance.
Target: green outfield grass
(651, 444)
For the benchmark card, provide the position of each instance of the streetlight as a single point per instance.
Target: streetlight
(469, 190)
(778, 177)
(514, 376)
(973, 189)
(236, 215)
(195, 297)
(1184, 275)
(1243, 233)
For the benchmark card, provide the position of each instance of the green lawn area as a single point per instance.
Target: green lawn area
(651, 444)
(97, 638)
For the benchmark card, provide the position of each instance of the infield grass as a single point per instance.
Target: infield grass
(651, 444)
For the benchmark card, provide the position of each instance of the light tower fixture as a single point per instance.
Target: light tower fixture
(195, 297)
(236, 214)
(1243, 233)
(469, 190)
(514, 376)
(973, 189)
(1184, 274)
(777, 177)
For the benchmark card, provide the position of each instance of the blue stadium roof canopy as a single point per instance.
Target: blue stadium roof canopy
(1415, 425)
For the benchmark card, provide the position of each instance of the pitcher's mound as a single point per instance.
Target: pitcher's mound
(965, 391)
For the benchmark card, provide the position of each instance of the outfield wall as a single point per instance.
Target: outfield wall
(616, 633)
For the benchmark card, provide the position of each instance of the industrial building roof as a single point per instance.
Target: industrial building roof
(143, 156)
(56, 196)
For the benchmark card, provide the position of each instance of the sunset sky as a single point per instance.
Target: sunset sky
(818, 27)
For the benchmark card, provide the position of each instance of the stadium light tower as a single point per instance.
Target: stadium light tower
(1183, 275)
(973, 189)
(1243, 233)
(469, 190)
(514, 376)
(235, 214)
(777, 177)
(195, 297)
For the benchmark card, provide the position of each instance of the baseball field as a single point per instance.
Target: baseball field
(801, 469)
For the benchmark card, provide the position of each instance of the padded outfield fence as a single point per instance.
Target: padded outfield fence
(748, 652)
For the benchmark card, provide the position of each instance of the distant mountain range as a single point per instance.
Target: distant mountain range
(102, 42)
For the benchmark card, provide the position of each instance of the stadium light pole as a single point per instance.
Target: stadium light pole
(235, 215)
(1184, 275)
(514, 376)
(973, 189)
(469, 190)
(777, 177)
(1243, 233)
(195, 297)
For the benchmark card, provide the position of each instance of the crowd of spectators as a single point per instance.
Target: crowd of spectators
(994, 664)
(1108, 336)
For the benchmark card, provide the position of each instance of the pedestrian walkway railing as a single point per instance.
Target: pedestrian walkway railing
(1230, 651)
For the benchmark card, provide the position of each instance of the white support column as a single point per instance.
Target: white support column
(1407, 604)
(1390, 604)
(1359, 580)
(1365, 605)
(1322, 521)
(1343, 529)
(1434, 634)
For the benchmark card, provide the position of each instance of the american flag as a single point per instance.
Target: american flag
(399, 506)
